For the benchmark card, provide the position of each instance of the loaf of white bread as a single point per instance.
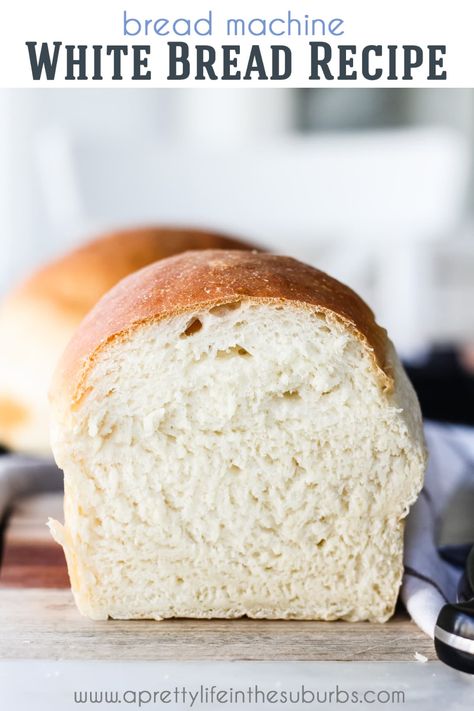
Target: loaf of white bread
(38, 318)
(238, 437)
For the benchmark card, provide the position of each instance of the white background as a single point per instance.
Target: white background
(50, 685)
(365, 21)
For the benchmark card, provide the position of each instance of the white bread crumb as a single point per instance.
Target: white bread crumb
(420, 657)
(248, 465)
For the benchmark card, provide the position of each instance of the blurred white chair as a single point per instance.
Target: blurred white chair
(369, 206)
(374, 208)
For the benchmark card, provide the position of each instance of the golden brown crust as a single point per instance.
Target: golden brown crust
(199, 280)
(75, 282)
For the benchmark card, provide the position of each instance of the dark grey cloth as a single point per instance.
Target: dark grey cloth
(23, 476)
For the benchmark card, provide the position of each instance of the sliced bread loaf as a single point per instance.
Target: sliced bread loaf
(238, 437)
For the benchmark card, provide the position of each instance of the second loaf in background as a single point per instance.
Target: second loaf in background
(38, 318)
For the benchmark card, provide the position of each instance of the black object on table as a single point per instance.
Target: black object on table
(454, 631)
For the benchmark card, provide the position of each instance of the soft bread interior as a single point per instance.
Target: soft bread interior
(240, 460)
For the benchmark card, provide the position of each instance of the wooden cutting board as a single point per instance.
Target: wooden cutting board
(38, 619)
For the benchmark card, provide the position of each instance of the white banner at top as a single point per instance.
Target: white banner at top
(236, 43)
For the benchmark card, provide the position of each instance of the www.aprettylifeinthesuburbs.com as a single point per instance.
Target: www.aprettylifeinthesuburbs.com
(203, 696)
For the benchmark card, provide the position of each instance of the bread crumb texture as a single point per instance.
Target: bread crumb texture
(238, 460)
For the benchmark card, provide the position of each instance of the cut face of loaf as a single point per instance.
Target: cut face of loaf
(241, 456)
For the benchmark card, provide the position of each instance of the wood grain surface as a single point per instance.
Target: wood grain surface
(31, 559)
(38, 619)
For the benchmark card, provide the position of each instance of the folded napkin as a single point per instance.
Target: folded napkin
(430, 580)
